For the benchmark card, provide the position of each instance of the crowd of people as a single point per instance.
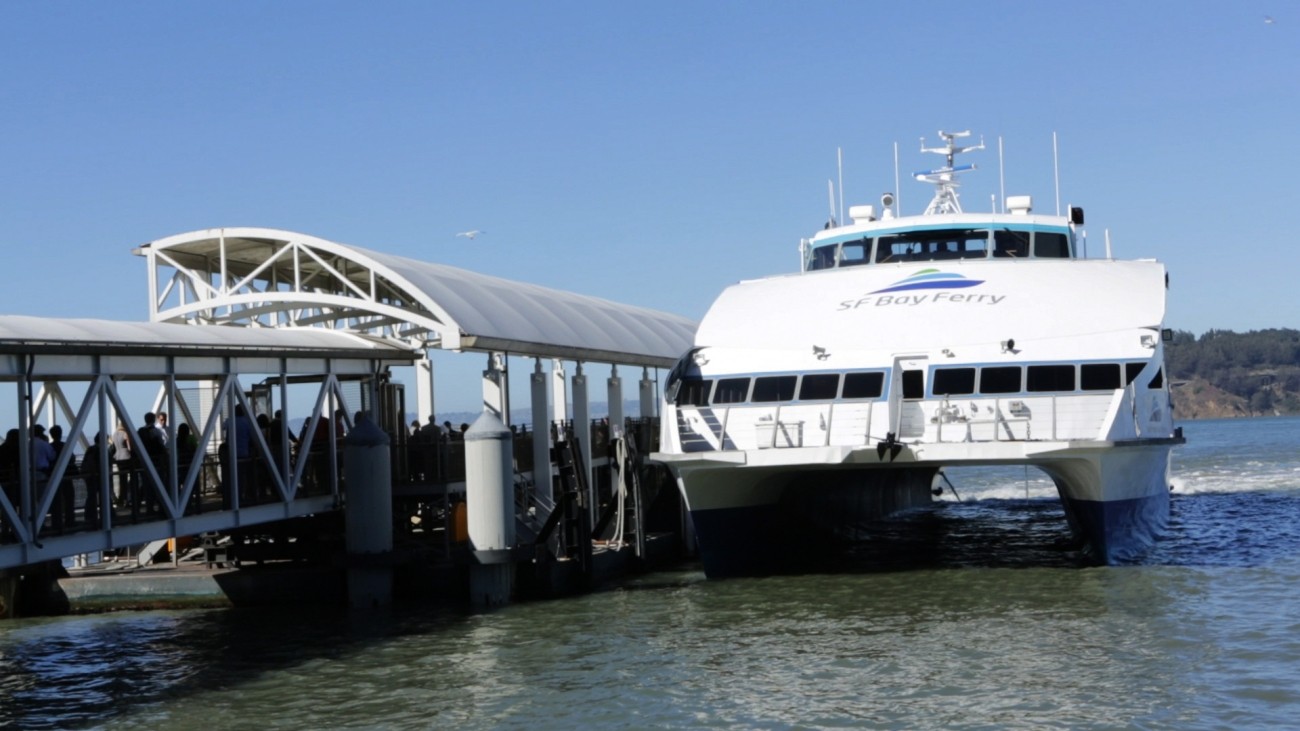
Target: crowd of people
(135, 458)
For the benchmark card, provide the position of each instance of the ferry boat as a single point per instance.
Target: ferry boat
(815, 403)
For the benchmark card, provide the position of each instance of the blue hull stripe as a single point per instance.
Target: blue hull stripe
(1120, 531)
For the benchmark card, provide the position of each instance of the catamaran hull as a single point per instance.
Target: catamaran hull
(757, 521)
(761, 519)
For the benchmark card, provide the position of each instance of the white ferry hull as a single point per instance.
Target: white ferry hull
(759, 511)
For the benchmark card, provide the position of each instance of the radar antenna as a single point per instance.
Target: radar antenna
(945, 178)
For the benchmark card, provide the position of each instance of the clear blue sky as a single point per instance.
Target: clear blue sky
(650, 153)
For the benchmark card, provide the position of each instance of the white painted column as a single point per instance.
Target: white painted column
(582, 429)
(647, 394)
(541, 433)
(559, 393)
(494, 386)
(614, 389)
(424, 402)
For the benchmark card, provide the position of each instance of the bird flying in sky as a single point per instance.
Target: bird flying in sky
(471, 235)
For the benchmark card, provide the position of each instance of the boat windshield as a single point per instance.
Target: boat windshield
(942, 244)
(932, 245)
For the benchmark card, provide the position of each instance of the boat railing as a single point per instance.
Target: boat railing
(1016, 418)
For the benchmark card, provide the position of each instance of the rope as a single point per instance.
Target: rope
(620, 454)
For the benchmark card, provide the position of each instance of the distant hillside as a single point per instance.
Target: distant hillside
(1226, 374)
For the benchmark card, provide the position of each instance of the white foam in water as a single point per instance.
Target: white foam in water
(997, 483)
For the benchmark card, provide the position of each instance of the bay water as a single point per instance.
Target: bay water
(973, 614)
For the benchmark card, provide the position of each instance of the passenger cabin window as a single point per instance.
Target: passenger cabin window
(731, 391)
(863, 385)
(773, 388)
(694, 392)
(1099, 376)
(819, 387)
(1000, 379)
(1131, 371)
(1159, 380)
(1050, 378)
(853, 253)
(953, 381)
(1051, 245)
(913, 384)
(823, 257)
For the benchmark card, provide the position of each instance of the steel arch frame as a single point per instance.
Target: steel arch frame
(262, 277)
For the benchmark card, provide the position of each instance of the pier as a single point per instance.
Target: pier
(266, 352)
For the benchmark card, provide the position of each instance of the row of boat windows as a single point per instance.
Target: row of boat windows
(988, 380)
(942, 245)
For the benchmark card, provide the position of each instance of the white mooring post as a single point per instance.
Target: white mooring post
(489, 501)
(368, 515)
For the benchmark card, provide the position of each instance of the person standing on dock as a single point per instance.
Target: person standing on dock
(120, 449)
(9, 481)
(239, 437)
(90, 474)
(42, 462)
(153, 447)
(65, 500)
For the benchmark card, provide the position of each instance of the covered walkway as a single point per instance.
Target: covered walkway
(211, 468)
(270, 278)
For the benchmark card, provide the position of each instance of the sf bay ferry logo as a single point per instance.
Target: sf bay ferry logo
(930, 279)
(923, 280)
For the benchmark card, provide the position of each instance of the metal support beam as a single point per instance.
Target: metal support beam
(647, 394)
(559, 395)
(541, 434)
(424, 390)
(614, 389)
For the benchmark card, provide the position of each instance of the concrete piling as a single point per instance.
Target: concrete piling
(367, 471)
(489, 496)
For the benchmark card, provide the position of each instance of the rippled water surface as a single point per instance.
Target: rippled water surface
(973, 614)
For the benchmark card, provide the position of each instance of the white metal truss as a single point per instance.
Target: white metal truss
(268, 278)
(50, 374)
(258, 277)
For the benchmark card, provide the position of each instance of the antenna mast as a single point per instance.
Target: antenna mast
(945, 178)
(1056, 174)
(830, 191)
(898, 190)
(1002, 176)
(839, 159)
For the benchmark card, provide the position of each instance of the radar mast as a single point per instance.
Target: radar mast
(945, 178)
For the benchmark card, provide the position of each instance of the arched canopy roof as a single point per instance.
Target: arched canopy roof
(60, 346)
(262, 277)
